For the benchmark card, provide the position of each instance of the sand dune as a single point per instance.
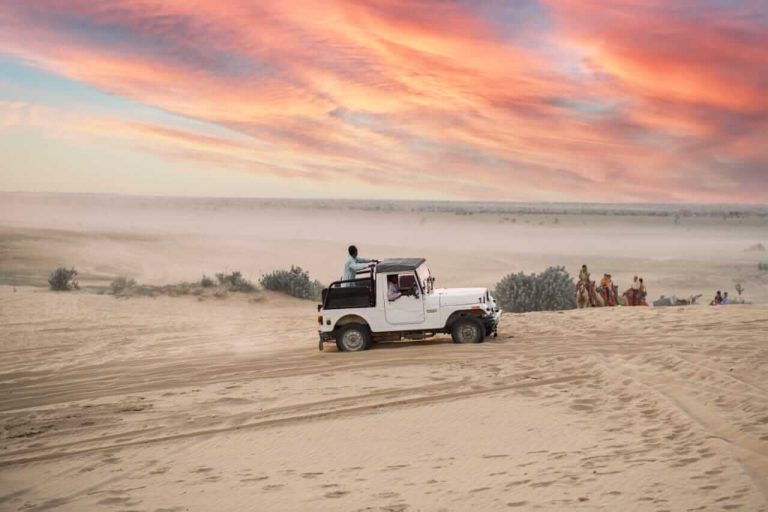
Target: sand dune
(174, 404)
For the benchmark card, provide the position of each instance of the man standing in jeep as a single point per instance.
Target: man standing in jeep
(353, 265)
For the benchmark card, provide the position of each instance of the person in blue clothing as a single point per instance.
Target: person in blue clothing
(354, 264)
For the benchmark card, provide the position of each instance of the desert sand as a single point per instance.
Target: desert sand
(176, 403)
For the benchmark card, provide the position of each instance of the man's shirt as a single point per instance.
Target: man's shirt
(393, 292)
(352, 266)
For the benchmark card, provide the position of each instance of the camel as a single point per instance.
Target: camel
(608, 296)
(628, 298)
(582, 296)
(583, 293)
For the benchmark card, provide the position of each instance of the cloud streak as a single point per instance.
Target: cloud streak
(556, 100)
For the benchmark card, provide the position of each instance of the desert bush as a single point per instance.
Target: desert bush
(762, 267)
(122, 284)
(551, 290)
(207, 282)
(295, 282)
(235, 282)
(63, 279)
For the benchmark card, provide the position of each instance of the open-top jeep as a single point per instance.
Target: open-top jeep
(356, 313)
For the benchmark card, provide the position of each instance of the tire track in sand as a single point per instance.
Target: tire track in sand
(315, 416)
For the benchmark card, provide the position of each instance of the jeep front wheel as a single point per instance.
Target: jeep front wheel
(467, 330)
(353, 338)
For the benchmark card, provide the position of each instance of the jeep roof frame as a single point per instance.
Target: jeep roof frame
(399, 265)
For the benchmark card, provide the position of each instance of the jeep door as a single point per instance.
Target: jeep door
(408, 308)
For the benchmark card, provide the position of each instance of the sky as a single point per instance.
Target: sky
(528, 100)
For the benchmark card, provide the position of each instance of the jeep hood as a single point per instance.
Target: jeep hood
(460, 296)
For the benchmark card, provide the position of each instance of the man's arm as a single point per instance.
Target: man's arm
(359, 265)
(363, 260)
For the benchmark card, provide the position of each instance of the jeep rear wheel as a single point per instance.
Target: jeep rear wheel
(353, 338)
(467, 330)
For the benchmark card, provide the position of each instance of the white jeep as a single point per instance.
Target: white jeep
(357, 312)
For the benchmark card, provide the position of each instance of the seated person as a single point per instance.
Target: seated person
(606, 289)
(725, 300)
(584, 275)
(393, 290)
(643, 293)
(717, 300)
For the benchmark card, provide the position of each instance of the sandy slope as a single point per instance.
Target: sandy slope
(174, 404)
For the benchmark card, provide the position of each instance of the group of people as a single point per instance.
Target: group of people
(636, 295)
(721, 299)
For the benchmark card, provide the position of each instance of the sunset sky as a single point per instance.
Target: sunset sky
(530, 100)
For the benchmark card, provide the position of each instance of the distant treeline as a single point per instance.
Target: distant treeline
(244, 204)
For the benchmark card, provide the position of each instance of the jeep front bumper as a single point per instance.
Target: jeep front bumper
(491, 323)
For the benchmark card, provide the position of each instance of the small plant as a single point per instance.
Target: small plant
(551, 290)
(63, 279)
(739, 289)
(235, 282)
(207, 282)
(762, 267)
(122, 284)
(295, 282)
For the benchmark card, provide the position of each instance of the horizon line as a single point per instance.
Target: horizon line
(380, 200)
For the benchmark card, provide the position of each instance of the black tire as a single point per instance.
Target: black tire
(467, 330)
(353, 338)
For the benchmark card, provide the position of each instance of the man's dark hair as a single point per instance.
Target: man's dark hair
(352, 251)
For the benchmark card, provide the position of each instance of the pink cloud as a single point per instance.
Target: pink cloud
(629, 100)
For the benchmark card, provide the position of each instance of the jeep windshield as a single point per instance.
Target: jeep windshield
(425, 278)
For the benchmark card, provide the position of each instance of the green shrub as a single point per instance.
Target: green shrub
(207, 282)
(235, 282)
(295, 282)
(762, 267)
(63, 279)
(551, 290)
(122, 284)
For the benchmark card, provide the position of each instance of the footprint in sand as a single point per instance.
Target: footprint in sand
(124, 501)
(395, 467)
(254, 479)
(336, 494)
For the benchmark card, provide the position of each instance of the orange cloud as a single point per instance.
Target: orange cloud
(627, 100)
